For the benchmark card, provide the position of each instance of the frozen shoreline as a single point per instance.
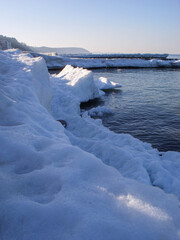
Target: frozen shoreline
(56, 62)
(117, 55)
(83, 182)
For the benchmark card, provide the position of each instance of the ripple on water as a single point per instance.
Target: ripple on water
(147, 107)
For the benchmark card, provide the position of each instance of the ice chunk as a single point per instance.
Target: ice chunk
(104, 84)
(99, 111)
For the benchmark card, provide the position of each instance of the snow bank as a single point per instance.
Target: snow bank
(36, 75)
(131, 157)
(51, 189)
(57, 62)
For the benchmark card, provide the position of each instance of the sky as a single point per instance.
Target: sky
(104, 26)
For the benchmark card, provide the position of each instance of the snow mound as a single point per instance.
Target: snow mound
(81, 81)
(71, 87)
(51, 189)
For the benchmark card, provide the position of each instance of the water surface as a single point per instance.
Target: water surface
(147, 106)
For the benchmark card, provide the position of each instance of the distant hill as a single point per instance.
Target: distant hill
(67, 50)
(15, 44)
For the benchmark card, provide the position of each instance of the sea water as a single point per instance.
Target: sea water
(147, 106)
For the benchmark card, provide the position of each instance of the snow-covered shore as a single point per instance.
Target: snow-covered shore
(56, 62)
(83, 182)
(118, 55)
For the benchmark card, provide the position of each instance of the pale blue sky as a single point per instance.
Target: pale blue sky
(122, 26)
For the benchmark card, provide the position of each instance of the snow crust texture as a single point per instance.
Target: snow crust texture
(55, 183)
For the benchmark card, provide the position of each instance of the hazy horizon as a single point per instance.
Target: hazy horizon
(100, 26)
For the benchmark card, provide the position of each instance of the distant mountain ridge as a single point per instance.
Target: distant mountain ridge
(66, 50)
(14, 43)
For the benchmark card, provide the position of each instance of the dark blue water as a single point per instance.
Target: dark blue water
(147, 106)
